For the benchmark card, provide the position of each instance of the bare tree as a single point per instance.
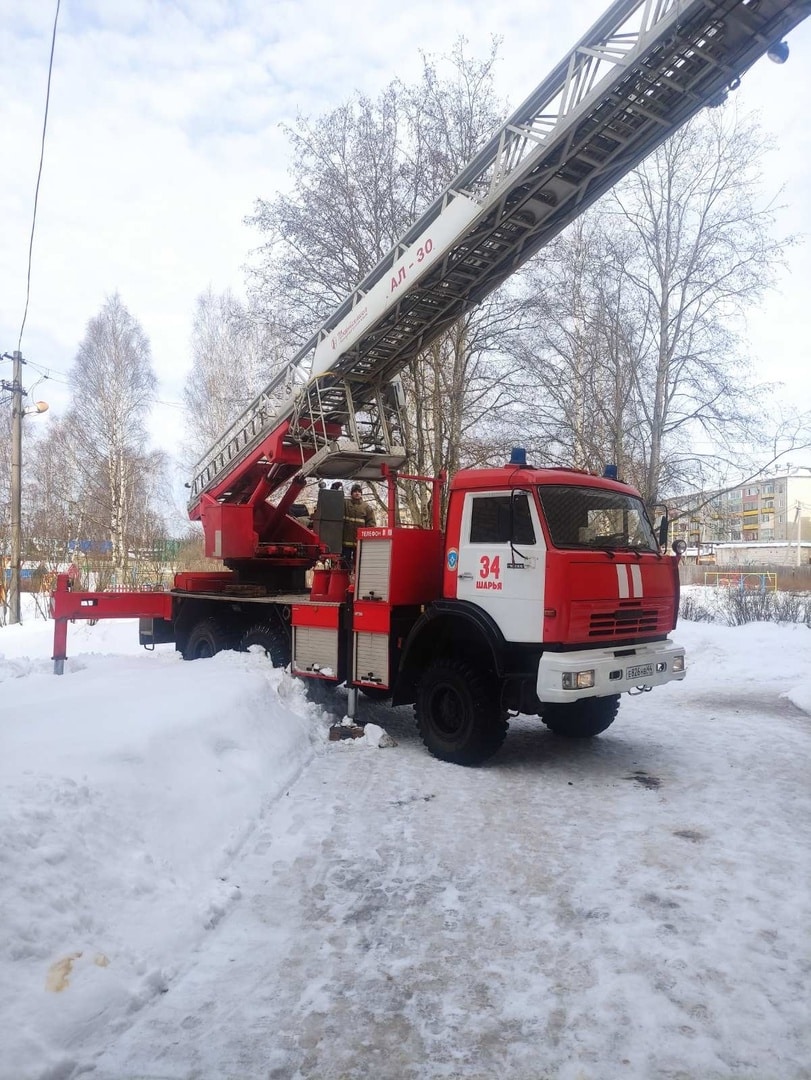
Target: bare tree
(235, 353)
(639, 311)
(53, 490)
(362, 174)
(572, 384)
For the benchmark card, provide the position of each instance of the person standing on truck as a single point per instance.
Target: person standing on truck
(357, 515)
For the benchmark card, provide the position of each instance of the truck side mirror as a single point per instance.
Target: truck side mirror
(664, 525)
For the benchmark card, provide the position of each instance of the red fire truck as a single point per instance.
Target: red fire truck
(545, 591)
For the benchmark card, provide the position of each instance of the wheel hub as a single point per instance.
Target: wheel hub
(447, 711)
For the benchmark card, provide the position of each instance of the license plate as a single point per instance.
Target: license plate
(639, 672)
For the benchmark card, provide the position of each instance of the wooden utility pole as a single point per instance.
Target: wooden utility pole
(16, 484)
(15, 388)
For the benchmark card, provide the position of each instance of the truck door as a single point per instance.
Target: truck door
(502, 561)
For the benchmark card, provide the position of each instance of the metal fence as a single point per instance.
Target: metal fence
(743, 581)
(787, 578)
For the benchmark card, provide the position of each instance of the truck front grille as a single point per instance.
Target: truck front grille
(624, 624)
(619, 623)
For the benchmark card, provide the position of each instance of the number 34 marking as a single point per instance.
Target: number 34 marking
(490, 567)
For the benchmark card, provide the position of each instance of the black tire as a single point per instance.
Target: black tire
(208, 637)
(582, 719)
(458, 714)
(272, 639)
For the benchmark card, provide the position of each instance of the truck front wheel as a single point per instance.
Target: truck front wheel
(582, 719)
(458, 713)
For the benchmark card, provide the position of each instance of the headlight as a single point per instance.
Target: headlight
(578, 680)
(678, 663)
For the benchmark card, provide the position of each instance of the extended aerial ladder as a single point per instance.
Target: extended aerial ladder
(642, 70)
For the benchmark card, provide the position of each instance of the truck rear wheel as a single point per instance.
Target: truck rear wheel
(207, 637)
(458, 713)
(272, 639)
(581, 719)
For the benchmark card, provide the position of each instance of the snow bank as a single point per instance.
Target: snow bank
(132, 784)
(128, 786)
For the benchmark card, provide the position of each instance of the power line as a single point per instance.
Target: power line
(39, 176)
(54, 375)
(44, 370)
(50, 373)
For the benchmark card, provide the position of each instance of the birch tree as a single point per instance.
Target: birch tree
(113, 387)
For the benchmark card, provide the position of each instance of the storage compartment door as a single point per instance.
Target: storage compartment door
(315, 651)
(374, 569)
(372, 658)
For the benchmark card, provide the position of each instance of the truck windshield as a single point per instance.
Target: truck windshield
(586, 517)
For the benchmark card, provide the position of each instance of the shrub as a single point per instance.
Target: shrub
(691, 610)
(735, 606)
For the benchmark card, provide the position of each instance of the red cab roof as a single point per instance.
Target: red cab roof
(509, 476)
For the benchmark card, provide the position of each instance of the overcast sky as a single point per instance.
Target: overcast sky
(164, 128)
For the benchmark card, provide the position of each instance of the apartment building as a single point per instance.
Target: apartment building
(772, 509)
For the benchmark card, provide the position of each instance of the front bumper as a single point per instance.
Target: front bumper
(613, 670)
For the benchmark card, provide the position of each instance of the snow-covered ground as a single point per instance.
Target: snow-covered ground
(195, 883)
